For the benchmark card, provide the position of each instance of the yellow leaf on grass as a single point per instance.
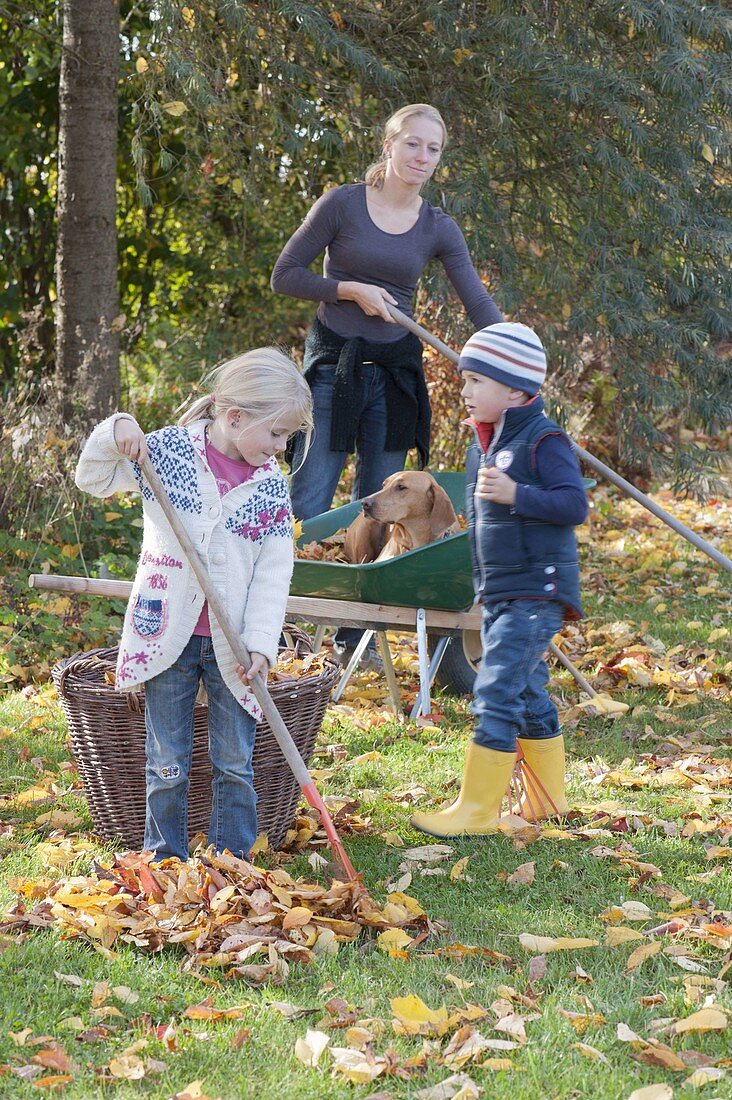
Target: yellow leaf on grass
(309, 1049)
(29, 796)
(704, 1075)
(356, 1066)
(590, 1052)
(604, 704)
(394, 940)
(540, 944)
(128, 1067)
(645, 951)
(456, 871)
(413, 1017)
(523, 875)
(652, 1092)
(707, 1019)
(414, 909)
(615, 936)
(716, 851)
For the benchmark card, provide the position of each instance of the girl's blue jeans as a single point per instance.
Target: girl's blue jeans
(510, 693)
(169, 702)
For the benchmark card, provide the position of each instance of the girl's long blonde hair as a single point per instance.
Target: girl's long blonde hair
(393, 127)
(263, 383)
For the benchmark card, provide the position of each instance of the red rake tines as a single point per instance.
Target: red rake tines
(526, 788)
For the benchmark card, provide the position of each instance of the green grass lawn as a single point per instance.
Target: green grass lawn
(653, 821)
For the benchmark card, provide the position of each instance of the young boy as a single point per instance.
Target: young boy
(525, 494)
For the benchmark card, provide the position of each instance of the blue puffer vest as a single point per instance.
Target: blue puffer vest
(515, 557)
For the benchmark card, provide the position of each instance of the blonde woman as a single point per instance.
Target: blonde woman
(369, 392)
(219, 467)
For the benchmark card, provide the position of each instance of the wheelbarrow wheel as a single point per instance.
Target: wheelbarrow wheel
(460, 661)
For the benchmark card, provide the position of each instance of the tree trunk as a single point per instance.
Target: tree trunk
(87, 346)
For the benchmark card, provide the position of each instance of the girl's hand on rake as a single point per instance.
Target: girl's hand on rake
(258, 667)
(130, 439)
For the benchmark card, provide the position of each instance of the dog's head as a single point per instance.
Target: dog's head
(412, 495)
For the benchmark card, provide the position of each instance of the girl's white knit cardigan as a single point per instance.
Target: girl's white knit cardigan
(245, 540)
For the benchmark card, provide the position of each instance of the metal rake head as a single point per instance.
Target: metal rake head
(526, 795)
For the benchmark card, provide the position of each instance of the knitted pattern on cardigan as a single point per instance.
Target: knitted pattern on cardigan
(245, 540)
(408, 413)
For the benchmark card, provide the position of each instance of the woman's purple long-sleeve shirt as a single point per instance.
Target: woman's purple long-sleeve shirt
(356, 250)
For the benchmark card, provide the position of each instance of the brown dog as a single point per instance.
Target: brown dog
(410, 511)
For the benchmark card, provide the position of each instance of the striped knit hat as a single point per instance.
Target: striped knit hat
(509, 352)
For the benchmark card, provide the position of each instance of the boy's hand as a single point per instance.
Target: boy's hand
(130, 439)
(494, 485)
(258, 667)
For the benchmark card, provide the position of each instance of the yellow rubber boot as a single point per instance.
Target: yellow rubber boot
(543, 779)
(476, 811)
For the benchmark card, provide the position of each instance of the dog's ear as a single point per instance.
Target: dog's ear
(365, 539)
(442, 515)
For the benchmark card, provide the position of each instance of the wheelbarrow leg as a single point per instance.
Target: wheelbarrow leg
(437, 655)
(318, 638)
(422, 703)
(391, 680)
(350, 668)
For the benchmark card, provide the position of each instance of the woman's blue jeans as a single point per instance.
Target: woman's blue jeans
(314, 484)
(510, 693)
(169, 702)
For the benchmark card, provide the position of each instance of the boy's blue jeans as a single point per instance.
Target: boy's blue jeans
(169, 702)
(510, 695)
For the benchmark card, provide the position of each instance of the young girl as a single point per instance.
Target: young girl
(219, 467)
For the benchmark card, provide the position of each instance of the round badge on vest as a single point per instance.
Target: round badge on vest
(504, 459)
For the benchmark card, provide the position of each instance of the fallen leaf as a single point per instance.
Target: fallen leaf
(540, 944)
(704, 1075)
(652, 1092)
(706, 1019)
(449, 1088)
(639, 956)
(309, 1049)
(456, 871)
(590, 1052)
(523, 875)
(393, 941)
(413, 1017)
(127, 1067)
(614, 937)
(356, 1066)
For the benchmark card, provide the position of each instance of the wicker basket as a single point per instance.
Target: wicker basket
(107, 732)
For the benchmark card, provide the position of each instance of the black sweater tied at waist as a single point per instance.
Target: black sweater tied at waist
(408, 411)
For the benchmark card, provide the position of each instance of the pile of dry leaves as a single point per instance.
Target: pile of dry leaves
(222, 910)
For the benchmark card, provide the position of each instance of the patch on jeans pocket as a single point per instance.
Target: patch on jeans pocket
(171, 771)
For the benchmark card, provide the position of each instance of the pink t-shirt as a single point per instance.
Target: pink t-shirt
(229, 472)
